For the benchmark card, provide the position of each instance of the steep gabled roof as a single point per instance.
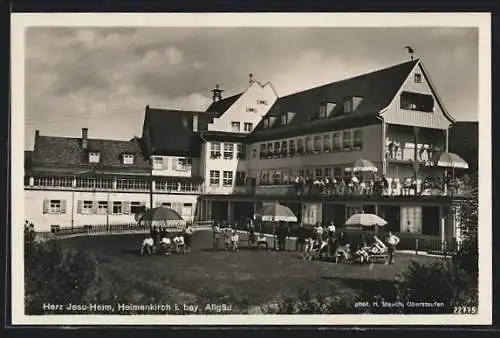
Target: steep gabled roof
(67, 151)
(170, 132)
(377, 89)
(218, 108)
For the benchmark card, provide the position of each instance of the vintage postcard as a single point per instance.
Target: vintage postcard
(244, 169)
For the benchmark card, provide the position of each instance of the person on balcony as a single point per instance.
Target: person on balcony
(396, 149)
(394, 187)
(391, 150)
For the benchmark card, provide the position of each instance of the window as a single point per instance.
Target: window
(117, 208)
(235, 127)
(94, 157)
(346, 140)
(228, 151)
(309, 144)
(102, 207)
(264, 102)
(353, 210)
(263, 152)
(265, 123)
(166, 204)
(137, 208)
(318, 172)
(322, 111)
(87, 207)
(327, 142)
(411, 219)
(300, 145)
(159, 162)
(214, 177)
(416, 101)
(251, 110)
(183, 163)
(240, 150)
(187, 209)
(284, 119)
(215, 150)
(227, 178)
(284, 147)
(337, 141)
(347, 106)
(418, 78)
(270, 151)
(55, 207)
(277, 147)
(317, 144)
(128, 159)
(254, 153)
(357, 142)
(248, 126)
(125, 184)
(291, 145)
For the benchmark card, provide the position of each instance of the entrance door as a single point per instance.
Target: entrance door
(392, 215)
(430, 220)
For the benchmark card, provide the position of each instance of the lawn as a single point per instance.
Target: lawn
(245, 279)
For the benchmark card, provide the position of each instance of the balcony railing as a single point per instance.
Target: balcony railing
(322, 189)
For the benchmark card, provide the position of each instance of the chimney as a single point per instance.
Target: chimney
(195, 123)
(37, 135)
(251, 78)
(85, 133)
(217, 93)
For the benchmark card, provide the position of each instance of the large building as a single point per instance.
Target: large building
(298, 149)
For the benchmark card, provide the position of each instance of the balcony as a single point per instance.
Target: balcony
(322, 188)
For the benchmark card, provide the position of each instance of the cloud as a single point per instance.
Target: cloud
(104, 77)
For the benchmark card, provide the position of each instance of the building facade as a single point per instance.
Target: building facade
(254, 146)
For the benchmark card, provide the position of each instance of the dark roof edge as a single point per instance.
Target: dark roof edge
(319, 126)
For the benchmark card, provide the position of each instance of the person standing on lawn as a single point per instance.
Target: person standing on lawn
(392, 242)
(301, 238)
(188, 233)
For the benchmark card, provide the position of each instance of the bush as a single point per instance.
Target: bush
(57, 276)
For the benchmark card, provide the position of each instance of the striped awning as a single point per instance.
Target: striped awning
(362, 165)
(275, 212)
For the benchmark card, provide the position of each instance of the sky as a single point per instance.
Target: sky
(102, 78)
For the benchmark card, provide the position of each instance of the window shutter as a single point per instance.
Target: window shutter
(63, 206)
(79, 207)
(126, 207)
(110, 207)
(95, 206)
(46, 205)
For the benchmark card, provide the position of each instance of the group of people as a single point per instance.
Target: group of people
(326, 241)
(228, 235)
(162, 242)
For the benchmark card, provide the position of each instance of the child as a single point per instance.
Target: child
(166, 245)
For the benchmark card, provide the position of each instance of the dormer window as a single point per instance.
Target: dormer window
(418, 78)
(94, 157)
(264, 102)
(347, 106)
(266, 122)
(284, 119)
(251, 110)
(128, 159)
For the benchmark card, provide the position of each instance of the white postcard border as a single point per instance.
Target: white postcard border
(20, 21)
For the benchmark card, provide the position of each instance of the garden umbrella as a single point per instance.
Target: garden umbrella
(275, 212)
(362, 165)
(365, 220)
(162, 216)
(449, 160)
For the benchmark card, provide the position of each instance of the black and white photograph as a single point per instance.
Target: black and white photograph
(245, 169)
